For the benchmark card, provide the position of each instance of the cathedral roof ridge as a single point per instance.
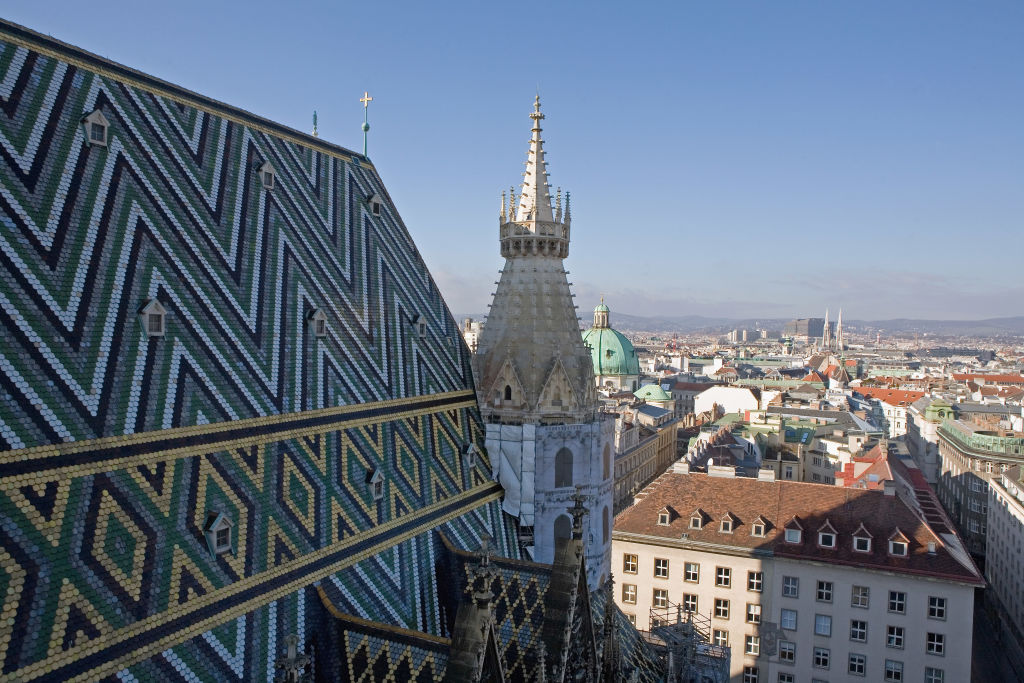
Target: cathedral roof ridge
(90, 61)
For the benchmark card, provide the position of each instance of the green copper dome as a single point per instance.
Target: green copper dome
(652, 392)
(611, 352)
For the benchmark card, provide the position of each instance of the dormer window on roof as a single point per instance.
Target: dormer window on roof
(665, 516)
(697, 519)
(862, 540)
(827, 535)
(794, 531)
(375, 480)
(419, 323)
(318, 319)
(96, 128)
(469, 455)
(218, 533)
(267, 175)
(898, 544)
(375, 204)
(154, 316)
(759, 527)
(728, 523)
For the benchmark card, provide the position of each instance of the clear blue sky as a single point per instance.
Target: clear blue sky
(761, 159)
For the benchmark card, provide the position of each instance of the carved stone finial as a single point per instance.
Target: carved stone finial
(292, 663)
(578, 512)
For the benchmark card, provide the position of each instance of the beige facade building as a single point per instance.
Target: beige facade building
(971, 456)
(804, 582)
(1004, 558)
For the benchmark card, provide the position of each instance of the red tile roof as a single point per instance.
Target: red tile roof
(891, 396)
(992, 378)
(779, 502)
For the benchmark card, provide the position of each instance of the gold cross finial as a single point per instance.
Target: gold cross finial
(366, 99)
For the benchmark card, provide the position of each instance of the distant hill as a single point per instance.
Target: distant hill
(990, 327)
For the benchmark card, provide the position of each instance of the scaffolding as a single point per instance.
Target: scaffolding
(684, 641)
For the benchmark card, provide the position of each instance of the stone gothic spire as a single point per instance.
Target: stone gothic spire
(826, 335)
(531, 359)
(535, 198)
(839, 332)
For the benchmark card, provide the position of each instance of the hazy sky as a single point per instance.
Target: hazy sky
(761, 159)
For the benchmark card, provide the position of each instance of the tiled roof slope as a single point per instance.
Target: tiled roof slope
(779, 502)
(115, 444)
(890, 396)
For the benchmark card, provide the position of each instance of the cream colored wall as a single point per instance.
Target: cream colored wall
(957, 627)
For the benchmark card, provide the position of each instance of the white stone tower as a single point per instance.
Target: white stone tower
(535, 380)
(826, 335)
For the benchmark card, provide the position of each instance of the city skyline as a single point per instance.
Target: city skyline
(871, 163)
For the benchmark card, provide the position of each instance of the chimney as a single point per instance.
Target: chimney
(680, 467)
(889, 486)
(766, 475)
(931, 547)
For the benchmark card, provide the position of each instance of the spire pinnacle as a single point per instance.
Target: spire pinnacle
(315, 134)
(365, 99)
(535, 199)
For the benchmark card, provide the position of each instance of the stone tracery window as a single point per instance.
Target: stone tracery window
(563, 468)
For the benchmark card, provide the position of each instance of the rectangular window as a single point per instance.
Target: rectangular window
(750, 674)
(660, 568)
(860, 597)
(893, 671)
(629, 593)
(723, 577)
(753, 613)
(691, 572)
(752, 645)
(690, 603)
(859, 630)
(898, 602)
(629, 564)
(788, 619)
(790, 586)
(786, 677)
(721, 608)
(822, 625)
(787, 652)
(935, 644)
(754, 581)
(936, 608)
(862, 544)
(894, 637)
(933, 675)
(660, 597)
(822, 657)
(720, 637)
(824, 592)
(857, 665)
(632, 618)
(97, 132)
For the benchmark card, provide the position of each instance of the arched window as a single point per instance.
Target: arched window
(563, 529)
(508, 393)
(606, 525)
(607, 462)
(563, 468)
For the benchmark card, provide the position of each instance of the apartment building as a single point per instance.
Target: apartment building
(972, 455)
(804, 582)
(1004, 558)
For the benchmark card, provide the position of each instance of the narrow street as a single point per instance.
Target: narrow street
(988, 663)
